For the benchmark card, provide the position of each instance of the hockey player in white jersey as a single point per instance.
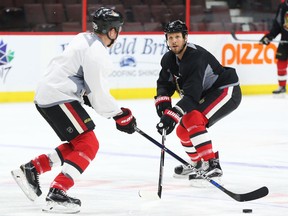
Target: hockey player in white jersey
(79, 72)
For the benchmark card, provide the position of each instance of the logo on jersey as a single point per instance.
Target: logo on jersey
(5, 58)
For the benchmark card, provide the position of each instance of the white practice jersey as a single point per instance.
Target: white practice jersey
(83, 67)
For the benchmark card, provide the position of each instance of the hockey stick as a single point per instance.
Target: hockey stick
(249, 40)
(161, 165)
(149, 194)
(253, 195)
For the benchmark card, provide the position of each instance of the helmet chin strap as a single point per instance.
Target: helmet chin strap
(111, 43)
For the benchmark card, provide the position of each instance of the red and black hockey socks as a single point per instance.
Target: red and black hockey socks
(282, 72)
(194, 136)
(42, 164)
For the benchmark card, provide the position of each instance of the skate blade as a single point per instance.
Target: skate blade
(280, 95)
(181, 176)
(22, 182)
(201, 183)
(64, 208)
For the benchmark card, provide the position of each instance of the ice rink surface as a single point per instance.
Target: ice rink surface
(252, 142)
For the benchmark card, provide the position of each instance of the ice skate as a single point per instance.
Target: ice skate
(183, 171)
(280, 92)
(281, 89)
(210, 169)
(57, 201)
(28, 180)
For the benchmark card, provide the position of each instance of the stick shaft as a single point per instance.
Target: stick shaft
(162, 157)
(161, 146)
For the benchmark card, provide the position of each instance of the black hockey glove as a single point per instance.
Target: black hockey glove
(162, 103)
(169, 120)
(126, 121)
(86, 101)
(266, 40)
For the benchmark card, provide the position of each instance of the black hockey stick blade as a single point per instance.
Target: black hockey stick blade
(251, 40)
(256, 194)
(253, 195)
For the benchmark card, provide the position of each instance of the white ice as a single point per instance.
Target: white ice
(252, 141)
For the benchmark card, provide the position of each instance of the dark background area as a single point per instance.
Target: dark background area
(140, 15)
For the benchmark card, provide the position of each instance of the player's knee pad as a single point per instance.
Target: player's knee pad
(282, 67)
(86, 143)
(193, 120)
(62, 151)
(85, 147)
(182, 133)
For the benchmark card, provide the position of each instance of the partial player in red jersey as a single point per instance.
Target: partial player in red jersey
(78, 73)
(280, 26)
(208, 92)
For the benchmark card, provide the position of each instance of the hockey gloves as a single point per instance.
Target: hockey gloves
(162, 103)
(126, 121)
(169, 120)
(86, 101)
(265, 40)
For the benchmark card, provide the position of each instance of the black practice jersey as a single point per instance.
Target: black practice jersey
(280, 23)
(198, 73)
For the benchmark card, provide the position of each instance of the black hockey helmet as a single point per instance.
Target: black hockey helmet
(105, 19)
(176, 26)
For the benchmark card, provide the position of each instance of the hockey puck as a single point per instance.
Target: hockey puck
(247, 210)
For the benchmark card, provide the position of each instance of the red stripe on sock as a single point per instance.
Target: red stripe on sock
(62, 182)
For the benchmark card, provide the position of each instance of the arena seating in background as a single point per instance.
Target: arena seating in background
(71, 27)
(139, 15)
(133, 26)
(152, 26)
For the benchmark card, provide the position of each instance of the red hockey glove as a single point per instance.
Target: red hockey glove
(169, 120)
(126, 121)
(162, 103)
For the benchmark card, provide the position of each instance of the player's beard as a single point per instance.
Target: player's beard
(179, 51)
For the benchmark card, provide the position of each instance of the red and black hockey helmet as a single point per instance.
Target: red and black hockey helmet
(176, 26)
(105, 19)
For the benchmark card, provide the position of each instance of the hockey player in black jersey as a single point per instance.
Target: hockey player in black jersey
(208, 92)
(280, 26)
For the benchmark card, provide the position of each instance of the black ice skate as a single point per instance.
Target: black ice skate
(280, 90)
(57, 201)
(210, 169)
(28, 180)
(183, 171)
